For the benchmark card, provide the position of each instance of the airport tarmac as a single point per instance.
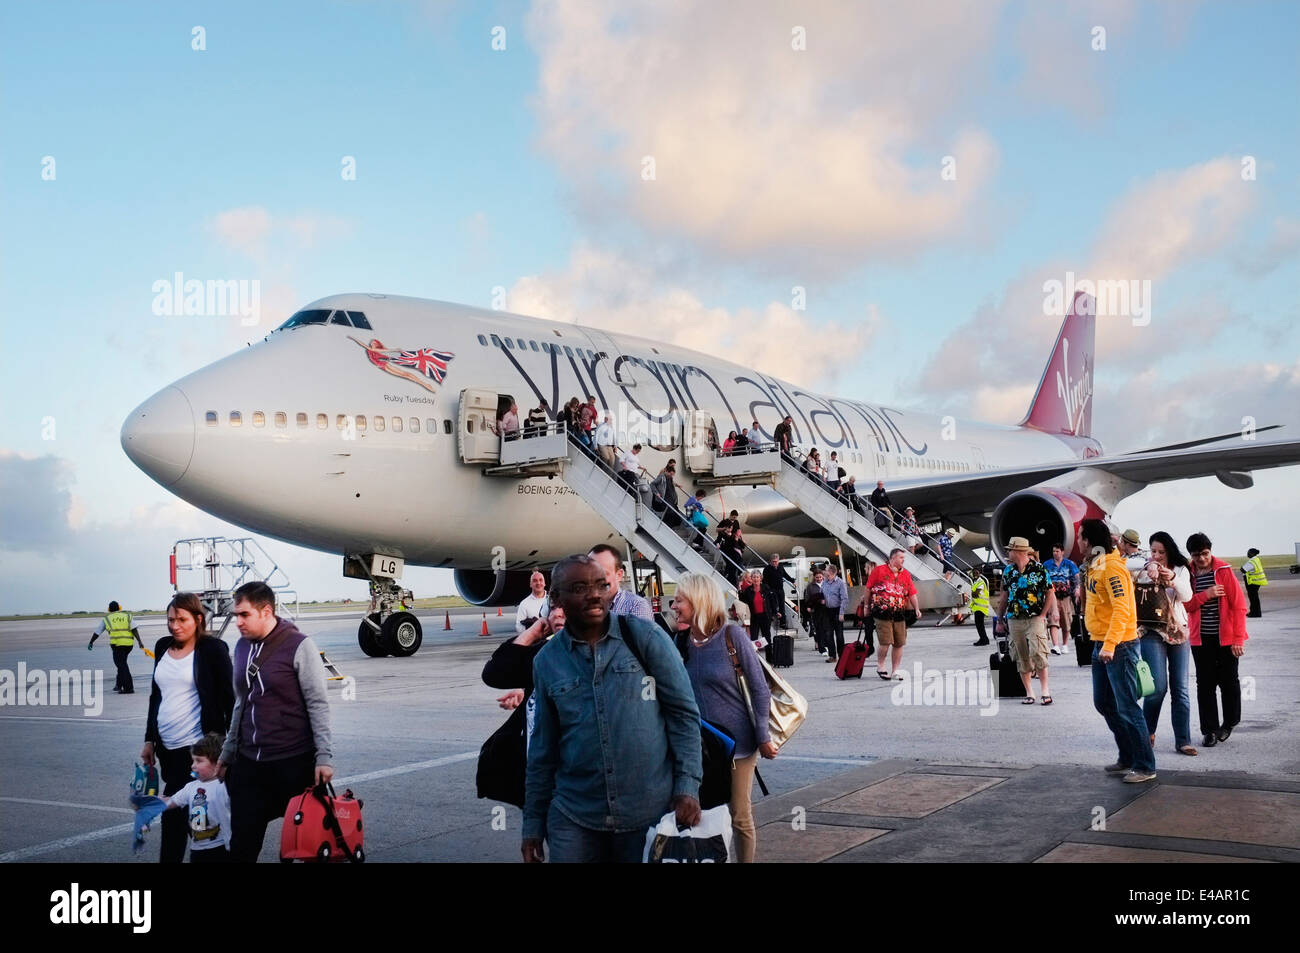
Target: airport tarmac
(960, 781)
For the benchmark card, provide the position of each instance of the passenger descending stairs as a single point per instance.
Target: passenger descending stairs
(552, 454)
(831, 512)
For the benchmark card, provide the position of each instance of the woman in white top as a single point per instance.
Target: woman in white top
(193, 694)
(1168, 652)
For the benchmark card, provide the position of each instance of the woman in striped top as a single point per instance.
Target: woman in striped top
(1216, 620)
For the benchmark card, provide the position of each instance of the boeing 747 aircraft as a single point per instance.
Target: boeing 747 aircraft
(364, 426)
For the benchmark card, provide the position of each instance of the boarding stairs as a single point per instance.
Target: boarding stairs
(850, 520)
(626, 507)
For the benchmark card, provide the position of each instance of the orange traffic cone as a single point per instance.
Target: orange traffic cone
(498, 612)
(485, 631)
(447, 625)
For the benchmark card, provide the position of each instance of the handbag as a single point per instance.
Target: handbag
(787, 709)
(503, 761)
(1146, 683)
(1153, 608)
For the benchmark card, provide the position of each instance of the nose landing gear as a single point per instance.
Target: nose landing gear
(389, 628)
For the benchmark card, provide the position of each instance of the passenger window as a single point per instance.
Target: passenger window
(322, 422)
(496, 341)
(361, 421)
(380, 424)
(510, 344)
(415, 425)
(359, 320)
(430, 426)
(522, 345)
(397, 425)
(236, 418)
(281, 418)
(342, 421)
(568, 350)
(302, 421)
(211, 417)
(482, 340)
(533, 345)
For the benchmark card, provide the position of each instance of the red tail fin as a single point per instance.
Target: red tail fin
(1063, 402)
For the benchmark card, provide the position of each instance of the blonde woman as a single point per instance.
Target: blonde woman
(711, 644)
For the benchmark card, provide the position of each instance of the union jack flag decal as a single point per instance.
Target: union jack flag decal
(426, 362)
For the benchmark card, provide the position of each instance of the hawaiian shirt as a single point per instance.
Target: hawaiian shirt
(1026, 591)
(945, 544)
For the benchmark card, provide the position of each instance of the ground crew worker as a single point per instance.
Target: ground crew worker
(1253, 570)
(121, 632)
(979, 604)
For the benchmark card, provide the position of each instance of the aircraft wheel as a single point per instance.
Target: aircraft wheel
(402, 634)
(369, 639)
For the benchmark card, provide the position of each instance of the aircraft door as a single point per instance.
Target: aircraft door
(618, 366)
(699, 441)
(476, 420)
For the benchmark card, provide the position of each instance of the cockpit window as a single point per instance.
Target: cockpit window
(341, 317)
(359, 320)
(312, 316)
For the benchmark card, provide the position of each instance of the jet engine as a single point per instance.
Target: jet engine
(1046, 516)
(492, 587)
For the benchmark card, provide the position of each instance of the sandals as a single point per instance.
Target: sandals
(884, 676)
(1029, 700)
(1187, 749)
(1047, 700)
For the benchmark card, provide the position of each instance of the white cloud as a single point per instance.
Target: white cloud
(815, 157)
(244, 229)
(602, 289)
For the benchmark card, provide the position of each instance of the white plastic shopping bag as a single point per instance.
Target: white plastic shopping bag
(708, 842)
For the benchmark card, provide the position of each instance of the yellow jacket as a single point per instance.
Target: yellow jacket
(1110, 612)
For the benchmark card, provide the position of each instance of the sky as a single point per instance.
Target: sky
(865, 197)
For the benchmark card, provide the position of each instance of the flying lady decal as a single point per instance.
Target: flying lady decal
(425, 367)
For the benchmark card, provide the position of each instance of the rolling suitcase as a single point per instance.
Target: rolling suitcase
(322, 826)
(780, 653)
(852, 660)
(1082, 650)
(1008, 676)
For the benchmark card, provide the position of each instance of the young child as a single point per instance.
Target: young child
(205, 799)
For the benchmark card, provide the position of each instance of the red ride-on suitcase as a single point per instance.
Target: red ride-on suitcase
(852, 660)
(321, 826)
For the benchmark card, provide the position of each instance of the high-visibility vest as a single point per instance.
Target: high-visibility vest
(118, 625)
(979, 596)
(1254, 571)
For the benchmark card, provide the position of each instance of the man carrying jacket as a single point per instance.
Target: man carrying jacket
(1110, 615)
(279, 739)
(1216, 624)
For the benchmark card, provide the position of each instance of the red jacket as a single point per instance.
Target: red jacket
(1232, 607)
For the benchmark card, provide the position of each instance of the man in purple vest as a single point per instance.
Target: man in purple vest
(279, 739)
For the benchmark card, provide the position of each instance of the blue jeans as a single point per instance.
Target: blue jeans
(1169, 670)
(1116, 696)
(570, 843)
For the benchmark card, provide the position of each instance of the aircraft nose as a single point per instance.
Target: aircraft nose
(158, 435)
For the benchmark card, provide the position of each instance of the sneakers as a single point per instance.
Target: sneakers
(982, 642)
(1137, 777)
(1117, 768)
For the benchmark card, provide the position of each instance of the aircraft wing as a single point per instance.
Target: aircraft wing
(980, 493)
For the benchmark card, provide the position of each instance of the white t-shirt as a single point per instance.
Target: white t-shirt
(179, 712)
(631, 462)
(208, 807)
(533, 607)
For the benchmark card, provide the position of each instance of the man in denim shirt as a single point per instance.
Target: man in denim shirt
(611, 745)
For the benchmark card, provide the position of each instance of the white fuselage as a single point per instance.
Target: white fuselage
(349, 487)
